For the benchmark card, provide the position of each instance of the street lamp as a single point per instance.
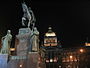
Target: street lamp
(71, 56)
(81, 50)
(20, 65)
(51, 60)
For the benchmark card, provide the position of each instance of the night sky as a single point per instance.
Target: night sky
(70, 20)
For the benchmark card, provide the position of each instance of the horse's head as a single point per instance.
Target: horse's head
(24, 6)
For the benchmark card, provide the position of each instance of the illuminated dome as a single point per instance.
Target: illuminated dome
(50, 32)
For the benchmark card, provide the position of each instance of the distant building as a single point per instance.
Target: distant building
(56, 57)
(50, 49)
(50, 38)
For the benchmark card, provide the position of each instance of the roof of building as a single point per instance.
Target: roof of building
(50, 32)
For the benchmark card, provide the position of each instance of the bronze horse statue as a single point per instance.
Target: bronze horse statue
(28, 15)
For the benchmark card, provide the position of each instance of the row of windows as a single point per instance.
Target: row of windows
(47, 41)
(50, 44)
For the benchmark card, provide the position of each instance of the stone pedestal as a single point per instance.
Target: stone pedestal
(3, 60)
(17, 62)
(23, 41)
(29, 61)
(32, 61)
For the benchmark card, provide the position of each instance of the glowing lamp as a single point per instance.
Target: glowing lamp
(71, 56)
(20, 65)
(81, 50)
(51, 60)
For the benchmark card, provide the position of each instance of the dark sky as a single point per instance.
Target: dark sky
(70, 20)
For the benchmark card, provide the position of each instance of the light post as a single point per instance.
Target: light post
(81, 50)
(71, 61)
(81, 57)
(20, 65)
(71, 56)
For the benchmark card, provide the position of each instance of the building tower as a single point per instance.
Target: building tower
(50, 38)
(51, 49)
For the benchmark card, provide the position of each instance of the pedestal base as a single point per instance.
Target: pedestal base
(17, 62)
(24, 41)
(29, 61)
(3, 60)
(33, 60)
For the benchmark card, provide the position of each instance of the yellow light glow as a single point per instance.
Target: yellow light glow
(81, 50)
(20, 65)
(51, 60)
(12, 49)
(71, 56)
(87, 44)
(50, 34)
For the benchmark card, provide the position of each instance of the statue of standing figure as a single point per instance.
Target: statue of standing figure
(34, 40)
(6, 42)
(28, 15)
